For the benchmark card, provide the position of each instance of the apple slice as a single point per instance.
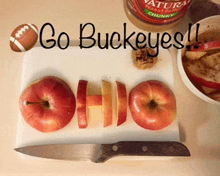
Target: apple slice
(208, 90)
(203, 75)
(212, 60)
(107, 102)
(193, 55)
(81, 104)
(215, 96)
(206, 46)
(121, 103)
(94, 100)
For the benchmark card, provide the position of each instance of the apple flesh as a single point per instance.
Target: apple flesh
(207, 90)
(107, 102)
(82, 104)
(193, 55)
(152, 105)
(47, 104)
(206, 46)
(212, 61)
(121, 103)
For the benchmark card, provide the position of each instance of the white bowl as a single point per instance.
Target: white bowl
(206, 24)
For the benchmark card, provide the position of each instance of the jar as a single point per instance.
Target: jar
(156, 15)
(203, 9)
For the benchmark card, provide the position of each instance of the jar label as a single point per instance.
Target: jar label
(158, 11)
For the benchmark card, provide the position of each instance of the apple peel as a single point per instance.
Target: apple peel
(209, 79)
(121, 103)
(94, 100)
(82, 104)
(206, 46)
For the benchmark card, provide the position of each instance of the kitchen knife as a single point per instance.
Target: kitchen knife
(99, 153)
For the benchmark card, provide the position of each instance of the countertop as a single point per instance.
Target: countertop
(198, 120)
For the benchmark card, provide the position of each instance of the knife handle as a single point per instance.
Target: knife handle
(137, 148)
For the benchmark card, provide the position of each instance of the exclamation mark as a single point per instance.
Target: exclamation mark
(197, 35)
(189, 32)
(197, 32)
(196, 46)
(190, 26)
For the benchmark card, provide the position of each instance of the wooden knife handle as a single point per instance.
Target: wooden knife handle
(136, 148)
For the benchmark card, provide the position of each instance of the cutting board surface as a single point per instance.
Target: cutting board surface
(93, 65)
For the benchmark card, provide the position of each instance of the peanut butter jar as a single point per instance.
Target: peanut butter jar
(156, 15)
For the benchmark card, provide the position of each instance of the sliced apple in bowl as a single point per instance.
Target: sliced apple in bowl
(193, 55)
(208, 90)
(215, 96)
(203, 76)
(212, 61)
(206, 46)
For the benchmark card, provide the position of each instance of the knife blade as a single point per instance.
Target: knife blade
(99, 153)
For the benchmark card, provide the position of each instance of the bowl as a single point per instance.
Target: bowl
(207, 24)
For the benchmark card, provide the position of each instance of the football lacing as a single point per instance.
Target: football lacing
(21, 31)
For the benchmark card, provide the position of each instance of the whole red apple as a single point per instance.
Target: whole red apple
(152, 105)
(47, 104)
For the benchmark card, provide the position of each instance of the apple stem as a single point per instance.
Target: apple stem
(43, 103)
(28, 103)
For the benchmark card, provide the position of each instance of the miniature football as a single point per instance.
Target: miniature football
(24, 37)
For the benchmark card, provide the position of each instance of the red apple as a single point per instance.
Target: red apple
(203, 76)
(94, 100)
(152, 105)
(121, 103)
(206, 46)
(81, 104)
(47, 104)
(107, 102)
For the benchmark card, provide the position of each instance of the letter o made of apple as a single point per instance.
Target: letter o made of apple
(152, 105)
(47, 104)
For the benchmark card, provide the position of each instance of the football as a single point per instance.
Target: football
(24, 37)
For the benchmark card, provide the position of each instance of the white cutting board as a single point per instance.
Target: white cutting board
(93, 65)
